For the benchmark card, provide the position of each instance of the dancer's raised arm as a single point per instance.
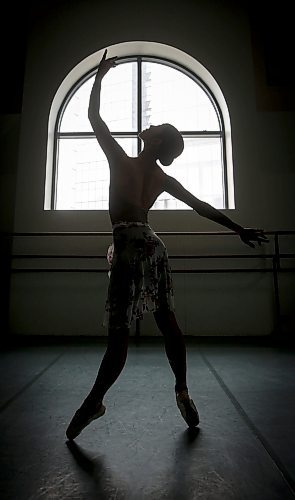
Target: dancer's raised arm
(108, 144)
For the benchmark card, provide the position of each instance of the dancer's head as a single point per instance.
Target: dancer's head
(165, 140)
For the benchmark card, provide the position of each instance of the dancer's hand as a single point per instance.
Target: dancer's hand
(257, 235)
(106, 64)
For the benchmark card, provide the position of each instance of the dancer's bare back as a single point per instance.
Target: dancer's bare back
(134, 187)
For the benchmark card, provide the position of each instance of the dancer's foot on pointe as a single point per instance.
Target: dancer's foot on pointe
(83, 417)
(187, 408)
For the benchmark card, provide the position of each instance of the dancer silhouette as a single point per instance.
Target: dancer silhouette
(140, 277)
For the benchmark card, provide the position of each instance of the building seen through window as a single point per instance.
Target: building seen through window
(138, 93)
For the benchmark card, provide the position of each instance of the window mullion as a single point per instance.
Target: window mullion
(201, 133)
(139, 101)
(90, 135)
(55, 163)
(224, 175)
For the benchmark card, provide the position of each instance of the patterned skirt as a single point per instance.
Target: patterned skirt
(140, 275)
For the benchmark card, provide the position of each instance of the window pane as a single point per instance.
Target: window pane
(119, 98)
(75, 116)
(198, 169)
(118, 102)
(83, 173)
(169, 96)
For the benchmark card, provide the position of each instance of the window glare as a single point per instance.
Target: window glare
(198, 169)
(119, 98)
(172, 97)
(83, 174)
(118, 102)
(83, 180)
(168, 96)
(75, 117)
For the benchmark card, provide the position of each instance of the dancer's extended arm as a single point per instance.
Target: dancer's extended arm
(176, 189)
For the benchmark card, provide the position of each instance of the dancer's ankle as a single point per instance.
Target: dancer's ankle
(92, 402)
(181, 388)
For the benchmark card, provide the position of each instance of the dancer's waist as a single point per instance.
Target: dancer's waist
(126, 224)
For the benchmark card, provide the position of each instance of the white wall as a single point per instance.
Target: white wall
(217, 34)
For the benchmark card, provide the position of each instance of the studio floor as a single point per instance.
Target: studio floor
(141, 448)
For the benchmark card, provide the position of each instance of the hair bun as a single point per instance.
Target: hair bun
(165, 160)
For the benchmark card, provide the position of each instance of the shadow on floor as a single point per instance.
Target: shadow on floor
(95, 467)
(180, 477)
(104, 487)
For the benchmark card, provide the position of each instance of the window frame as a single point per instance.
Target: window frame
(134, 134)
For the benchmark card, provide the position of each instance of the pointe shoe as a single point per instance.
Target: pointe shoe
(187, 409)
(81, 419)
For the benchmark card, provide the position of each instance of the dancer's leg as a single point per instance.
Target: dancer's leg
(176, 354)
(112, 364)
(174, 346)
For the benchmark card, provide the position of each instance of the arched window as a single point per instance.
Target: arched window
(140, 91)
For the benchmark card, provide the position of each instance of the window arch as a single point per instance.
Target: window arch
(143, 89)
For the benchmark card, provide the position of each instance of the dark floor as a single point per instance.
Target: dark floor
(141, 448)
